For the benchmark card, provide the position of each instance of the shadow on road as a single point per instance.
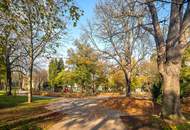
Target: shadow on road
(88, 114)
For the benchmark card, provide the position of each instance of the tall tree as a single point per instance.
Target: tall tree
(9, 41)
(170, 48)
(86, 65)
(171, 35)
(2, 67)
(55, 67)
(121, 43)
(41, 23)
(170, 51)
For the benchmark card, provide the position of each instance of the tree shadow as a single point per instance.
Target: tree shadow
(81, 113)
(88, 114)
(100, 124)
(106, 123)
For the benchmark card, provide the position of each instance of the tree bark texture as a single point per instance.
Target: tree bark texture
(128, 83)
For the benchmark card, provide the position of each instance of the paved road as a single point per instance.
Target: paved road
(86, 114)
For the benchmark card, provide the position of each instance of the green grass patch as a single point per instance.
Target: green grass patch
(14, 108)
(183, 127)
(13, 101)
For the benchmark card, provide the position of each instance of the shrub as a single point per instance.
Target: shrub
(156, 92)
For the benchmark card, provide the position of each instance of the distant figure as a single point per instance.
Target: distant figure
(66, 90)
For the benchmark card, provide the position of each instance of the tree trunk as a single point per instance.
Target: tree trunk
(9, 82)
(6, 87)
(93, 89)
(30, 81)
(93, 84)
(82, 89)
(20, 84)
(171, 90)
(20, 81)
(23, 82)
(8, 77)
(128, 83)
(39, 86)
(105, 88)
(31, 55)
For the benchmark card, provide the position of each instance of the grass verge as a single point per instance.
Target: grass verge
(15, 111)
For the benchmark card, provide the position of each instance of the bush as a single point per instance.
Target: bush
(156, 92)
(185, 88)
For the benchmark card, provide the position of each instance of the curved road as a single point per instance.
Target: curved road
(86, 114)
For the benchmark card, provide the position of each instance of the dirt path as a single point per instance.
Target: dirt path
(86, 114)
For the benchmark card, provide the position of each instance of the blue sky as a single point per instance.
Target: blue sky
(88, 7)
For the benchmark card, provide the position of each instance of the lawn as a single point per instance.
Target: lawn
(14, 108)
(13, 101)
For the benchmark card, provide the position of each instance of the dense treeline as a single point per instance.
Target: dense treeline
(86, 71)
(84, 68)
